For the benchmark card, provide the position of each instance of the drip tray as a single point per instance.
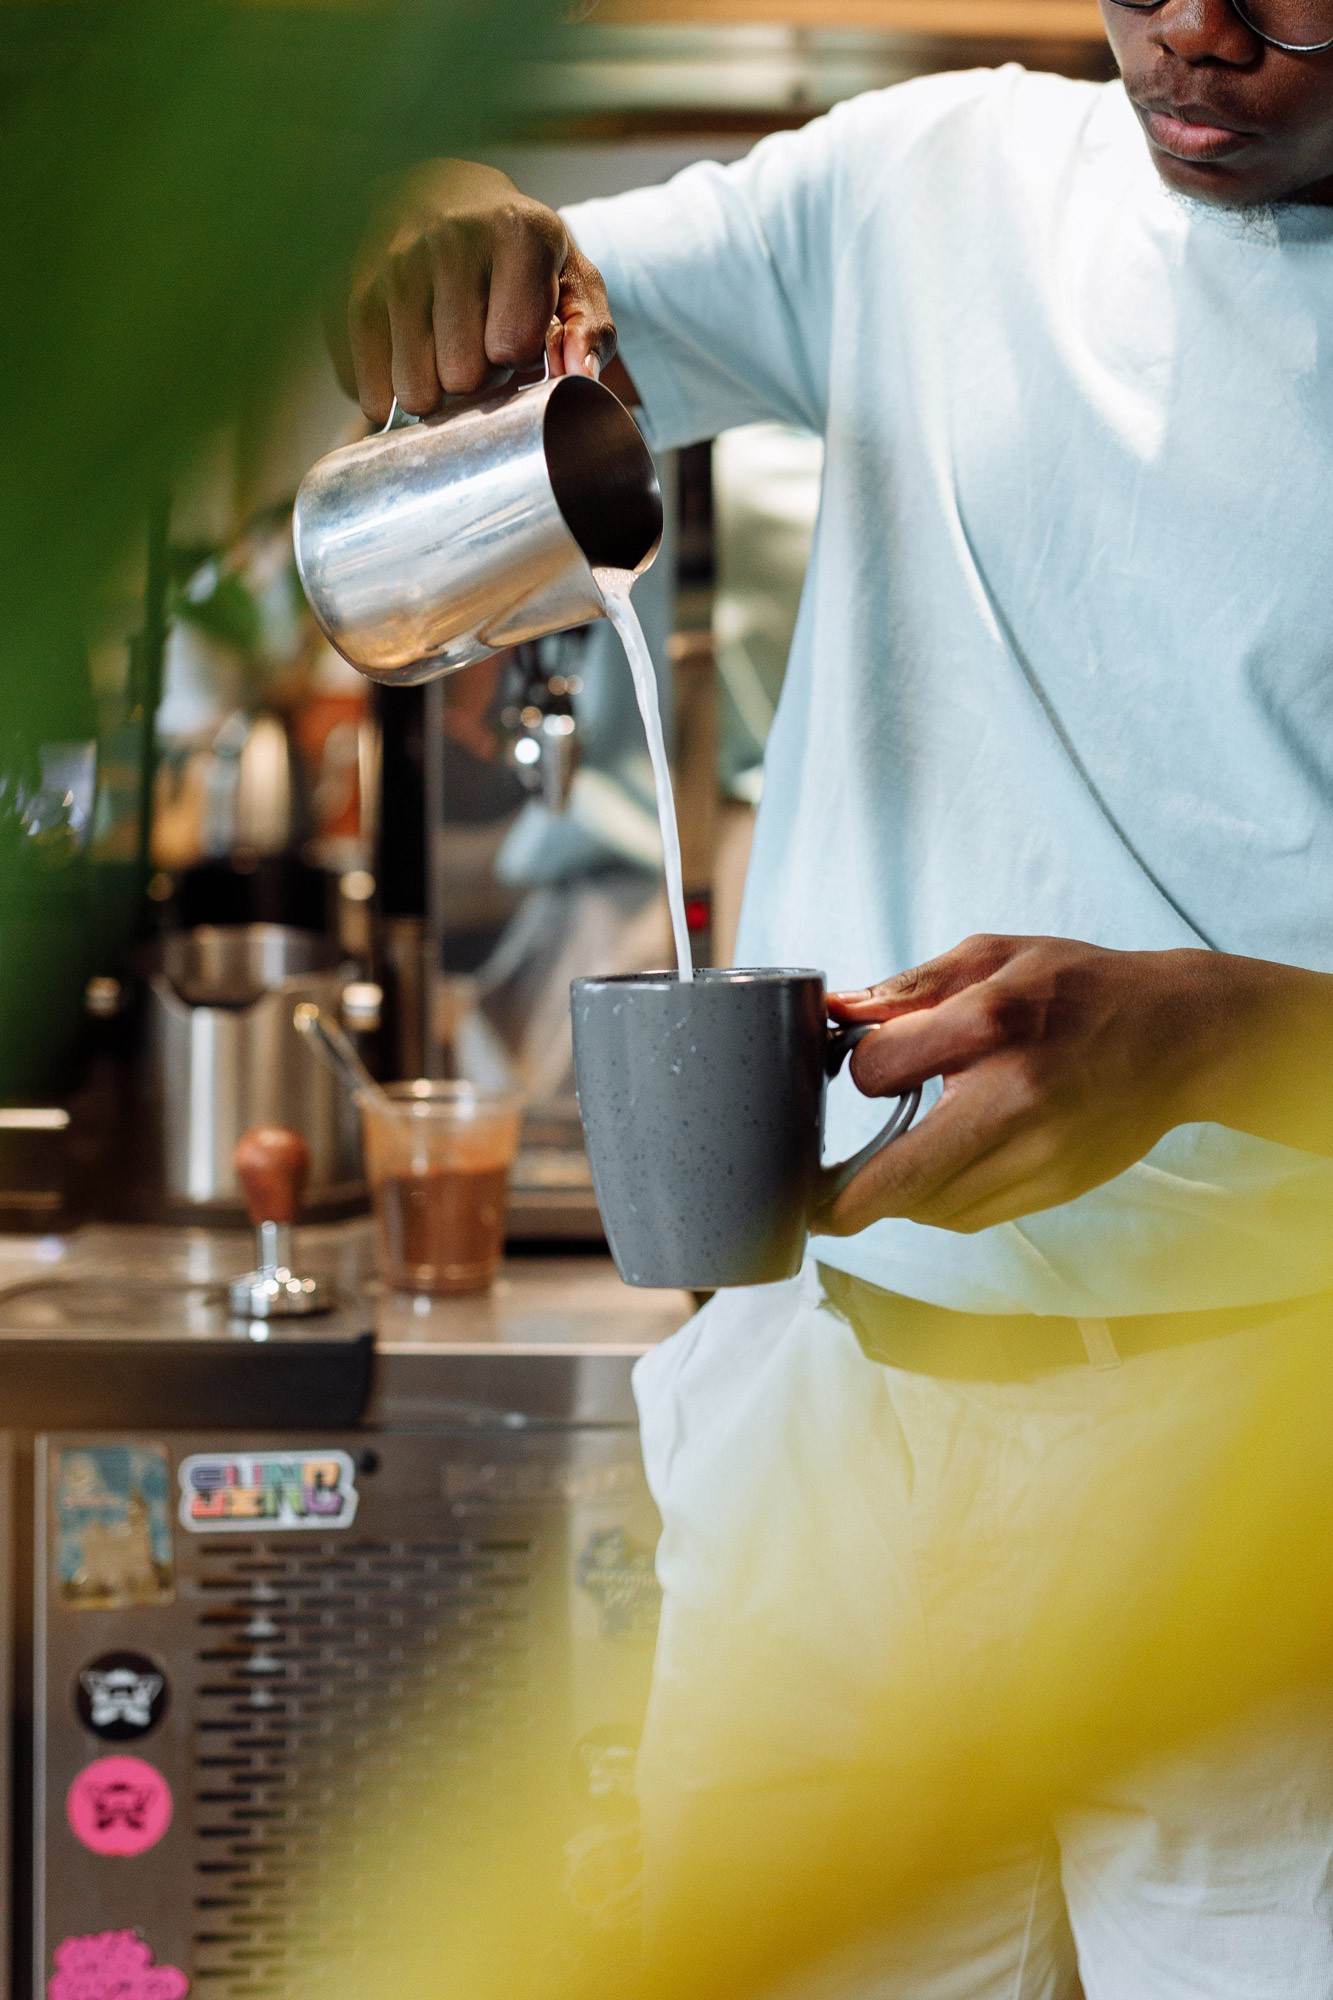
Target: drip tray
(83, 1350)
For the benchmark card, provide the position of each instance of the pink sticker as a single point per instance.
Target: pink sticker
(119, 1805)
(112, 1965)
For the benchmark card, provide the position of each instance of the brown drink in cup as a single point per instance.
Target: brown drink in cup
(438, 1160)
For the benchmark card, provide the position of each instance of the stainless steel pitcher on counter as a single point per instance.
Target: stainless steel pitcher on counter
(225, 1056)
(424, 548)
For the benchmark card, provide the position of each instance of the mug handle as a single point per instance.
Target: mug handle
(832, 1180)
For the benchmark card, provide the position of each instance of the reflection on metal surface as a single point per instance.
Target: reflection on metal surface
(233, 965)
(63, 1305)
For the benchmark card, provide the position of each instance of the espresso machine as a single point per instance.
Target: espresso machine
(250, 1645)
(281, 1555)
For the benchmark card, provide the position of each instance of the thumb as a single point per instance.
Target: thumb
(583, 334)
(975, 959)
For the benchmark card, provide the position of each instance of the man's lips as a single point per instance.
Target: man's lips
(1188, 134)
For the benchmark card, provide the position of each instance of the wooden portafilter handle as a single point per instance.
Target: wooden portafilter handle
(272, 1165)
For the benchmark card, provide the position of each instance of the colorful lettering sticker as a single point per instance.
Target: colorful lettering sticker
(251, 1491)
(112, 1965)
(119, 1805)
(113, 1526)
(120, 1696)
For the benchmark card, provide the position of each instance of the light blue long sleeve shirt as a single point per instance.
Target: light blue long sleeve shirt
(1064, 662)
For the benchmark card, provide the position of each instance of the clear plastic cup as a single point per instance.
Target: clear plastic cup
(438, 1159)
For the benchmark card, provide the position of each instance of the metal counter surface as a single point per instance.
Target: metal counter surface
(115, 1325)
(554, 1342)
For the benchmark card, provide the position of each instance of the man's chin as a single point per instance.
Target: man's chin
(1219, 188)
(1249, 177)
(1207, 183)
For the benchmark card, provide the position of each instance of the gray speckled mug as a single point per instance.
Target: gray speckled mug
(703, 1109)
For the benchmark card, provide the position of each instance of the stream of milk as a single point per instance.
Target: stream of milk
(615, 586)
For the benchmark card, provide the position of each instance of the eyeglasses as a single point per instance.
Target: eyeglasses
(1301, 27)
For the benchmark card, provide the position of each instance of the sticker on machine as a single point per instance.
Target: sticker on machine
(119, 1805)
(113, 1526)
(120, 1695)
(618, 1573)
(250, 1491)
(112, 1965)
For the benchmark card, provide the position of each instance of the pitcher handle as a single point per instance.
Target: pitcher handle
(545, 376)
(833, 1180)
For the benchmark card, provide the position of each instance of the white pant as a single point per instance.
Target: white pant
(852, 1532)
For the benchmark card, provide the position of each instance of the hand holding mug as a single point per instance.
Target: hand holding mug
(1063, 1064)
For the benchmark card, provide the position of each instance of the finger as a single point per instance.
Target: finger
(1033, 1161)
(1003, 1193)
(988, 1129)
(1021, 1164)
(459, 286)
(962, 1130)
(976, 958)
(524, 289)
(585, 315)
(371, 347)
(409, 298)
(1011, 1200)
(938, 1041)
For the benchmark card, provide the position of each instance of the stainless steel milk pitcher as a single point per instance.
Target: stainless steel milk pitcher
(425, 548)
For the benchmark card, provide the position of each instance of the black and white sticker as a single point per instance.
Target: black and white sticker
(120, 1696)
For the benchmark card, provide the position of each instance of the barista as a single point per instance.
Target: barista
(1054, 736)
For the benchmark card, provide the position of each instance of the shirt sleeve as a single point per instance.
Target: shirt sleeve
(725, 283)
(721, 285)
